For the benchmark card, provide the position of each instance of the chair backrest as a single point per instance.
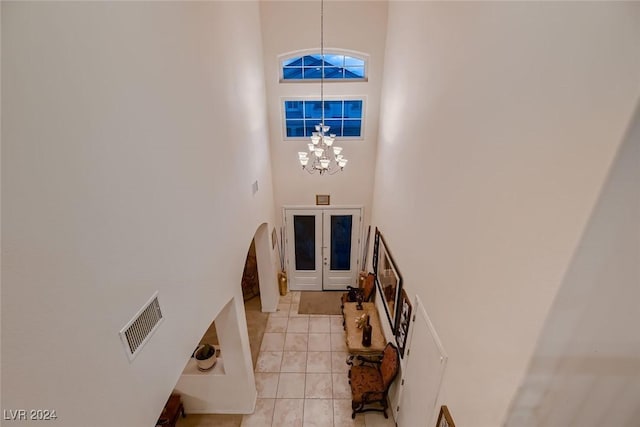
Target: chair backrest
(389, 365)
(368, 288)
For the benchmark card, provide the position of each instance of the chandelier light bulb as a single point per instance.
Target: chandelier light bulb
(311, 147)
(318, 152)
(324, 163)
(304, 161)
(337, 150)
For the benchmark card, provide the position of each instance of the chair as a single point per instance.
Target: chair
(370, 380)
(172, 409)
(366, 291)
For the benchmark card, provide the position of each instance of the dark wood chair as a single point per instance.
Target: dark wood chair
(370, 379)
(365, 294)
(172, 409)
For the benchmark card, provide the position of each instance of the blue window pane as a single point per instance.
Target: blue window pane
(352, 128)
(309, 67)
(295, 128)
(354, 73)
(312, 110)
(336, 126)
(312, 61)
(312, 73)
(350, 62)
(333, 109)
(310, 126)
(295, 62)
(333, 60)
(341, 242)
(292, 73)
(333, 73)
(304, 230)
(343, 117)
(293, 109)
(353, 109)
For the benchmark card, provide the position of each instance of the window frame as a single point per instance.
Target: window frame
(283, 117)
(300, 53)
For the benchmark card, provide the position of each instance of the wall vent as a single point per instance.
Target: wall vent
(139, 329)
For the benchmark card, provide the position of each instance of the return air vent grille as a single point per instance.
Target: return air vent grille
(139, 329)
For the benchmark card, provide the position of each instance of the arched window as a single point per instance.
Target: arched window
(337, 66)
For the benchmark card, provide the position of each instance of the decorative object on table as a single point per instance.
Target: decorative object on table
(359, 301)
(366, 291)
(361, 320)
(205, 356)
(404, 320)
(321, 155)
(366, 333)
(388, 279)
(370, 380)
(445, 419)
(354, 334)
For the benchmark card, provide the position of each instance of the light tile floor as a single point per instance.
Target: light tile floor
(301, 373)
(301, 376)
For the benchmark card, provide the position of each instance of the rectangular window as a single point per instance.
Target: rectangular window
(344, 117)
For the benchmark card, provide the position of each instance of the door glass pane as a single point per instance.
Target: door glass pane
(304, 230)
(341, 242)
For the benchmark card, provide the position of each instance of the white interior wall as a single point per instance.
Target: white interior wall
(127, 164)
(267, 263)
(499, 122)
(218, 391)
(586, 368)
(291, 26)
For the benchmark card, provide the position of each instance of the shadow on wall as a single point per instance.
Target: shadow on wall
(585, 370)
(250, 280)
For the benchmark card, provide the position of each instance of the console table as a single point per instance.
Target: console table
(354, 334)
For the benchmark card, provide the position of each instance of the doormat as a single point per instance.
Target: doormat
(320, 302)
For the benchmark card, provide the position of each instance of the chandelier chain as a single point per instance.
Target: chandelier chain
(322, 59)
(323, 157)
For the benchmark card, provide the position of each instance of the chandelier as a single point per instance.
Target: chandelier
(322, 156)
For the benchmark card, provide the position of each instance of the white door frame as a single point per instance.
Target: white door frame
(322, 278)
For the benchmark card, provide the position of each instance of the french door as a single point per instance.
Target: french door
(322, 248)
